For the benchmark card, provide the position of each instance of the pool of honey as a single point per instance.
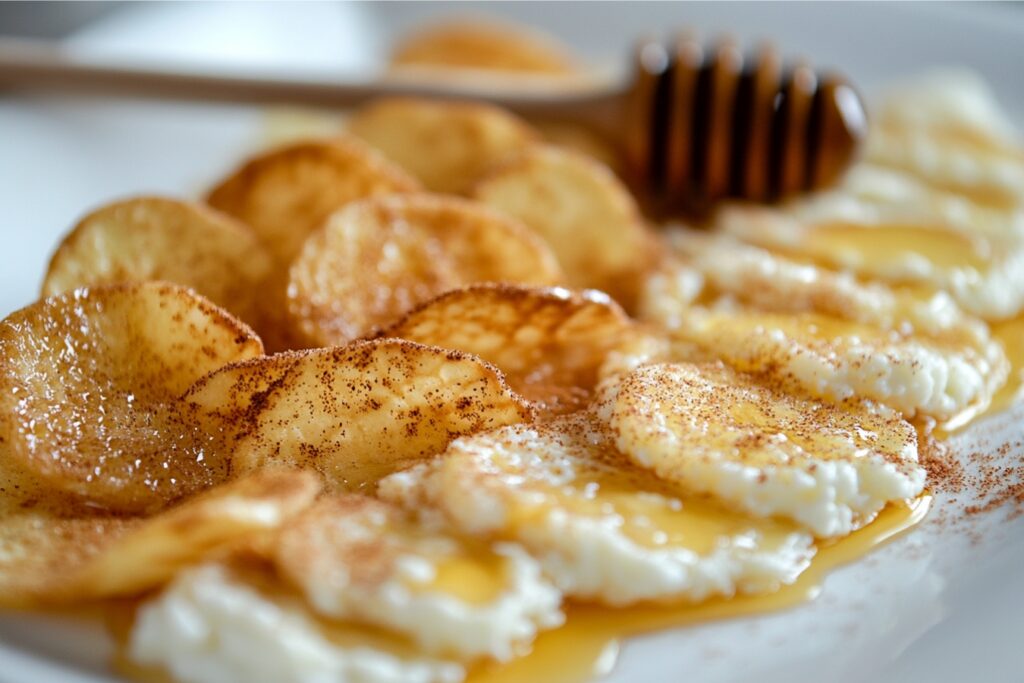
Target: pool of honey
(588, 644)
(882, 248)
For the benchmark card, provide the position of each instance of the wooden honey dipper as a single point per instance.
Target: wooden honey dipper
(706, 123)
(696, 124)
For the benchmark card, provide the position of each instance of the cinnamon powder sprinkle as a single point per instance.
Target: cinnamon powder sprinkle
(945, 472)
(999, 482)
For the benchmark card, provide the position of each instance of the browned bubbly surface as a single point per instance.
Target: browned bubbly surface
(550, 343)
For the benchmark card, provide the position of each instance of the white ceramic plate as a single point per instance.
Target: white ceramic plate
(945, 603)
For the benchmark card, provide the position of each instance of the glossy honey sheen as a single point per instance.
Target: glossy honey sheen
(587, 645)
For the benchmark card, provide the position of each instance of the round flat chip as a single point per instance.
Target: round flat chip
(550, 343)
(287, 193)
(446, 145)
(483, 46)
(582, 210)
(354, 413)
(88, 388)
(157, 238)
(376, 259)
(54, 555)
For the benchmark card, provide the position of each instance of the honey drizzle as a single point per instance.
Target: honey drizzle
(587, 645)
(1011, 334)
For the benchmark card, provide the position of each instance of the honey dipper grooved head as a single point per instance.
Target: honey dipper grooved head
(706, 123)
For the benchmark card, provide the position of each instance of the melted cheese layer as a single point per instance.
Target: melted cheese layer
(717, 432)
(210, 627)
(602, 529)
(362, 559)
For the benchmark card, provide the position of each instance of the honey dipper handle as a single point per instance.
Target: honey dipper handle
(43, 66)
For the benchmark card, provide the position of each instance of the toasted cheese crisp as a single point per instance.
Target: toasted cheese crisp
(159, 238)
(377, 259)
(353, 413)
(54, 554)
(361, 559)
(602, 528)
(447, 146)
(286, 193)
(216, 521)
(582, 210)
(553, 345)
(42, 548)
(718, 432)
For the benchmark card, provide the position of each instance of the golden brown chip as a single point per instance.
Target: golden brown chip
(240, 387)
(358, 412)
(484, 46)
(378, 258)
(39, 550)
(550, 343)
(287, 193)
(50, 556)
(446, 145)
(215, 521)
(88, 382)
(582, 210)
(157, 238)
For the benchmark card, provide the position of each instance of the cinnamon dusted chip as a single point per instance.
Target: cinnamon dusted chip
(550, 343)
(582, 210)
(158, 238)
(446, 145)
(88, 387)
(484, 46)
(56, 556)
(358, 412)
(287, 193)
(378, 258)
